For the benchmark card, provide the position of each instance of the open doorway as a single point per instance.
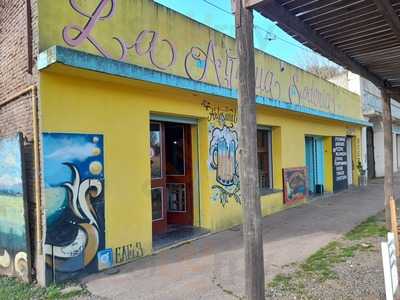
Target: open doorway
(171, 183)
(370, 153)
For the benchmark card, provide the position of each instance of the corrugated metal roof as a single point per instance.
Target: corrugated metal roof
(361, 35)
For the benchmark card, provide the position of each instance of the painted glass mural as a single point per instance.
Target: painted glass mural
(74, 194)
(223, 153)
(295, 184)
(14, 239)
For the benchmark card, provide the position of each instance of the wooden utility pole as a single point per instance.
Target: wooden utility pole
(388, 152)
(248, 164)
(393, 223)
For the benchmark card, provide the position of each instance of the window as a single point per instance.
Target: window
(176, 197)
(264, 151)
(155, 150)
(157, 203)
(175, 145)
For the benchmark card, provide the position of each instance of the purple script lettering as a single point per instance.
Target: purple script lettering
(198, 55)
(152, 47)
(85, 32)
(147, 43)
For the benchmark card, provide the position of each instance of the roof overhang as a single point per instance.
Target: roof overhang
(361, 35)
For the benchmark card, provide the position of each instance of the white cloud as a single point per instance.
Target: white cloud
(7, 181)
(73, 152)
(10, 160)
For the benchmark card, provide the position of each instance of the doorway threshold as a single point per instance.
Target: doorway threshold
(177, 235)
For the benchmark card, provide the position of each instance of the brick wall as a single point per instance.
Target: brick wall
(17, 72)
(14, 43)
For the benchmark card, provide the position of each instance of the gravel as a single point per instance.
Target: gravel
(359, 277)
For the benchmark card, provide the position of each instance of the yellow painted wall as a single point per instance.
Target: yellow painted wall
(75, 101)
(182, 47)
(355, 133)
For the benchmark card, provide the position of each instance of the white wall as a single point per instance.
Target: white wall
(395, 168)
(378, 152)
(380, 155)
(364, 148)
(398, 152)
(354, 83)
(371, 104)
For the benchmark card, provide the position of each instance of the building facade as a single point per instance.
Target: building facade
(138, 135)
(372, 136)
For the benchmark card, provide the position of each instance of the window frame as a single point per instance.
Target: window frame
(162, 204)
(266, 191)
(161, 151)
(185, 191)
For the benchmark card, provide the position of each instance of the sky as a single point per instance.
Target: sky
(78, 149)
(268, 37)
(10, 166)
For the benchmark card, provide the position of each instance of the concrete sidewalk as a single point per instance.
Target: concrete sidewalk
(212, 267)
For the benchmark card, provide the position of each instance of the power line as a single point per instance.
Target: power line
(284, 40)
(218, 7)
(267, 31)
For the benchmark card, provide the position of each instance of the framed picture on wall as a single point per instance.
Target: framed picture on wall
(294, 185)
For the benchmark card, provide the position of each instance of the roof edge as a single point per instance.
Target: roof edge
(81, 60)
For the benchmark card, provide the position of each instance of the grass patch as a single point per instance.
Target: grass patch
(12, 289)
(319, 267)
(281, 281)
(320, 264)
(290, 283)
(369, 228)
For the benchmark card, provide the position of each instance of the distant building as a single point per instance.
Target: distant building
(372, 137)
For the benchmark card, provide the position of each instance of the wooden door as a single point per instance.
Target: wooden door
(310, 164)
(179, 187)
(158, 178)
(319, 161)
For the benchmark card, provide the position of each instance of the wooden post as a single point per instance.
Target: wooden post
(248, 164)
(388, 152)
(393, 220)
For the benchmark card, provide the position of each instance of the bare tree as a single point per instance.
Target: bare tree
(319, 66)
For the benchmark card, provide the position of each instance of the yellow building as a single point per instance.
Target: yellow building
(138, 132)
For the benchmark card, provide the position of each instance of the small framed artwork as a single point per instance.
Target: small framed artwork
(294, 185)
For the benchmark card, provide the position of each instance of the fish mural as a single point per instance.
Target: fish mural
(74, 195)
(14, 229)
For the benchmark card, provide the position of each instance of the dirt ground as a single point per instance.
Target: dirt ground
(212, 267)
(348, 268)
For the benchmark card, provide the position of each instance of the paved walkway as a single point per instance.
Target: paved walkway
(212, 267)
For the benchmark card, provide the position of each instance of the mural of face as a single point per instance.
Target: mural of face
(74, 183)
(14, 247)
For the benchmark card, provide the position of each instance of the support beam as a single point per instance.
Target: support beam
(394, 93)
(386, 9)
(275, 11)
(388, 153)
(250, 3)
(248, 164)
